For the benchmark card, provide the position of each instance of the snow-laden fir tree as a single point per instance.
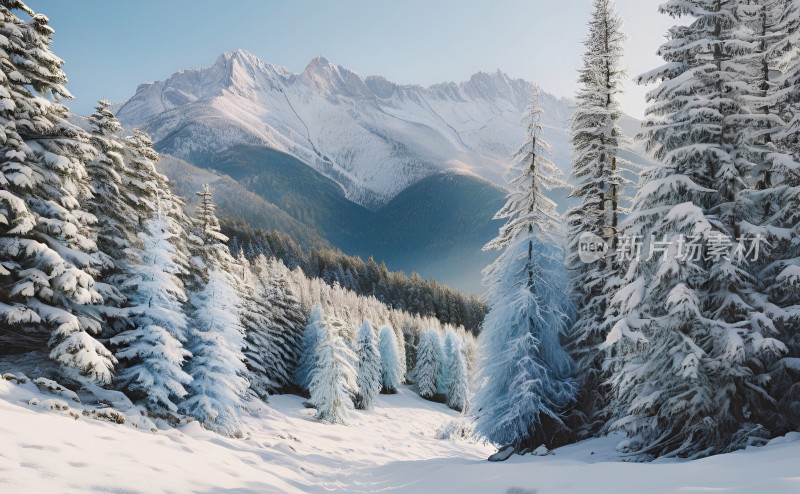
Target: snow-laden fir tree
(686, 329)
(391, 367)
(773, 126)
(48, 259)
(216, 336)
(290, 319)
(116, 225)
(597, 171)
(524, 377)
(448, 349)
(333, 377)
(256, 315)
(272, 346)
(368, 367)
(427, 365)
(152, 352)
(458, 382)
(311, 335)
(124, 198)
(441, 364)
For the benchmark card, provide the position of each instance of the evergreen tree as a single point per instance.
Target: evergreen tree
(442, 369)
(597, 170)
(256, 316)
(216, 334)
(333, 377)
(391, 369)
(152, 351)
(458, 384)
(272, 345)
(116, 223)
(448, 351)
(678, 353)
(524, 375)
(48, 260)
(773, 201)
(427, 365)
(311, 336)
(368, 367)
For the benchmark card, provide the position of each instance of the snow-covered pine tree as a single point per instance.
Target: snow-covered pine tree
(333, 378)
(368, 367)
(216, 336)
(524, 376)
(116, 225)
(152, 352)
(678, 353)
(149, 190)
(311, 335)
(256, 315)
(119, 212)
(597, 170)
(290, 320)
(448, 351)
(442, 368)
(458, 383)
(48, 259)
(426, 369)
(774, 198)
(391, 367)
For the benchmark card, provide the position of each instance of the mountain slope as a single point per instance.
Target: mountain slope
(438, 227)
(371, 136)
(235, 200)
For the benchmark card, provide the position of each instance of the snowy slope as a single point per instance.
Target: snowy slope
(392, 449)
(371, 136)
(234, 200)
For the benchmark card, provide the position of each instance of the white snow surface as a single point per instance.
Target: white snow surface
(372, 136)
(391, 449)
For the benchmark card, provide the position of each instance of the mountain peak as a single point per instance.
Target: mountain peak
(318, 62)
(241, 57)
(334, 79)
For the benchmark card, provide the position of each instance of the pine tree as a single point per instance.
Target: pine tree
(774, 198)
(678, 353)
(256, 316)
(152, 352)
(368, 367)
(391, 369)
(524, 376)
(311, 336)
(216, 337)
(333, 377)
(442, 368)
(448, 350)
(48, 259)
(597, 169)
(116, 225)
(289, 317)
(458, 383)
(272, 346)
(119, 211)
(427, 365)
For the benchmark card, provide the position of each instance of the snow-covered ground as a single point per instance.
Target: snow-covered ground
(391, 449)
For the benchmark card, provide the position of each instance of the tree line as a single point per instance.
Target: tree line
(426, 297)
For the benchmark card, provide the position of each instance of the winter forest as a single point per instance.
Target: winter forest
(655, 319)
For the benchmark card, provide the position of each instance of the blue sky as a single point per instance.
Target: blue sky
(112, 46)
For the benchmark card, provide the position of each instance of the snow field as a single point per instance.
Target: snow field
(391, 449)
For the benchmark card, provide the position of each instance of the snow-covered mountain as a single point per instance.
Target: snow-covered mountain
(371, 136)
